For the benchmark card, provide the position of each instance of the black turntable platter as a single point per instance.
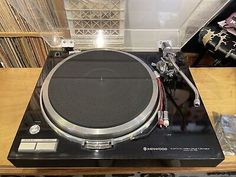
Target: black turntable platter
(100, 89)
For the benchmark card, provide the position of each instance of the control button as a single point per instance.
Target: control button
(34, 129)
(38, 145)
(26, 147)
(46, 147)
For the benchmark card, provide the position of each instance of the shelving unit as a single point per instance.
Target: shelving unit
(22, 38)
(23, 51)
(89, 19)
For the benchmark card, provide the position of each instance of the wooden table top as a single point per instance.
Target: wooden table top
(217, 87)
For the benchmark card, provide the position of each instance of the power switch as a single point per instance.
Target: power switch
(26, 147)
(46, 147)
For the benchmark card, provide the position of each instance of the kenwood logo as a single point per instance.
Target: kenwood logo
(154, 149)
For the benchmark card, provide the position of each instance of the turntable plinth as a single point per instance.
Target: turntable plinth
(17, 86)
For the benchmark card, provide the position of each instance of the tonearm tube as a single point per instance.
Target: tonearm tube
(170, 56)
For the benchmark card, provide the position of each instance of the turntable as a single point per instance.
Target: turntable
(113, 108)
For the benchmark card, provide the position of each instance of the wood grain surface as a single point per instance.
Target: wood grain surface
(217, 88)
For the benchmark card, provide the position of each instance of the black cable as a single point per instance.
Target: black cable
(165, 98)
(178, 109)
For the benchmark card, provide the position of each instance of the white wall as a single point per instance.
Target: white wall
(158, 14)
(147, 21)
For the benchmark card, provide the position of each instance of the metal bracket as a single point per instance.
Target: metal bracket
(68, 44)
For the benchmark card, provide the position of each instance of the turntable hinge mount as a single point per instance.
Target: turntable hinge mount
(98, 144)
(68, 44)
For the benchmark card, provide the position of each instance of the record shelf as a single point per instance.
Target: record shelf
(22, 43)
